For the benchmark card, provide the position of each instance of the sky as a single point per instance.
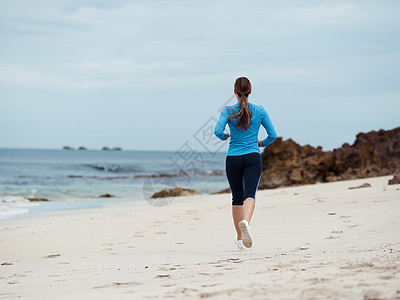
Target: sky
(148, 75)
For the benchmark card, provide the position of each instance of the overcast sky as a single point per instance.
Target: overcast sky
(147, 75)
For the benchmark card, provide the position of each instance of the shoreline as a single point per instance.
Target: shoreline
(313, 241)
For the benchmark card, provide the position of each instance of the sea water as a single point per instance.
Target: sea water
(73, 179)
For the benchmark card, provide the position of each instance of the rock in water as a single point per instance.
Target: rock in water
(175, 192)
(286, 163)
(106, 196)
(37, 199)
(396, 177)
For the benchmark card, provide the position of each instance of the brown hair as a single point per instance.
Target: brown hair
(243, 115)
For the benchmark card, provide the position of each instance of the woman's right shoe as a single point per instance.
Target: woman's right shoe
(246, 233)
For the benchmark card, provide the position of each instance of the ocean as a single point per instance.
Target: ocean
(74, 179)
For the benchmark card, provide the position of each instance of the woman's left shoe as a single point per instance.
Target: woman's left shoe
(239, 244)
(246, 233)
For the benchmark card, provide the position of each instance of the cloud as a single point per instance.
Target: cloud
(175, 53)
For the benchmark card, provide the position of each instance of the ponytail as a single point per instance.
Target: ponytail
(243, 115)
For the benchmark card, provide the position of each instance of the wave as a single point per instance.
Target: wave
(113, 168)
(11, 206)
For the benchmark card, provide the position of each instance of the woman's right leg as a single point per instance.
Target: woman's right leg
(251, 173)
(234, 173)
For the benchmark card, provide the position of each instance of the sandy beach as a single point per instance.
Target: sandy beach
(322, 241)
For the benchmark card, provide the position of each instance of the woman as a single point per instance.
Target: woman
(243, 161)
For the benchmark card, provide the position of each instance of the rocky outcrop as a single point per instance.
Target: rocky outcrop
(286, 163)
(175, 192)
(396, 177)
(224, 191)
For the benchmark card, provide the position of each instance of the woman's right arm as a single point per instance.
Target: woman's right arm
(267, 124)
(220, 127)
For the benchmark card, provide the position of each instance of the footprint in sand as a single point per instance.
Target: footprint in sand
(166, 269)
(337, 231)
(161, 232)
(351, 226)
(154, 225)
(302, 248)
(163, 276)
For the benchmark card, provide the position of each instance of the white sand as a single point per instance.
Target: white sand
(312, 242)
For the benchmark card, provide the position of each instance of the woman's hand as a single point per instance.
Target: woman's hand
(227, 136)
(259, 143)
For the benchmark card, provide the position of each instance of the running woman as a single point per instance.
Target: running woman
(243, 160)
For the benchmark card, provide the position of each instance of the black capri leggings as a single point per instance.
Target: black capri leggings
(243, 172)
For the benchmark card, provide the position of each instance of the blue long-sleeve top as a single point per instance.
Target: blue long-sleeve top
(245, 141)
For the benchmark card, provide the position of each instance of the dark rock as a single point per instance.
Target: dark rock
(82, 148)
(74, 176)
(53, 255)
(225, 191)
(364, 185)
(117, 149)
(286, 163)
(37, 199)
(106, 196)
(105, 148)
(68, 148)
(396, 177)
(6, 264)
(217, 173)
(175, 192)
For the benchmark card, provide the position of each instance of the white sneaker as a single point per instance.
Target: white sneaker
(246, 233)
(239, 243)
